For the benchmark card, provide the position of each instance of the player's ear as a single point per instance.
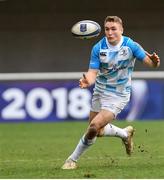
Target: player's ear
(122, 30)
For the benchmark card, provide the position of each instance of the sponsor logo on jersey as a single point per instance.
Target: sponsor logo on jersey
(113, 68)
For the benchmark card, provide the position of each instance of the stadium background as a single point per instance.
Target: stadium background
(35, 37)
(35, 34)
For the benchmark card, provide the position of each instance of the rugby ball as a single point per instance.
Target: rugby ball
(86, 29)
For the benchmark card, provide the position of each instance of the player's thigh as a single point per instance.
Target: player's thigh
(102, 119)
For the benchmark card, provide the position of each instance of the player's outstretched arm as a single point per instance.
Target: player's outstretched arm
(152, 60)
(88, 78)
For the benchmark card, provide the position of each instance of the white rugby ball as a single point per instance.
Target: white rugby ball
(86, 29)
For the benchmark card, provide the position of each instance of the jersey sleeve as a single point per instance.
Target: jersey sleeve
(137, 50)
(94, 59)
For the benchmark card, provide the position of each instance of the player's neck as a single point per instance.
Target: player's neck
(116, 45)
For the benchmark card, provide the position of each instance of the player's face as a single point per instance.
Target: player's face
(113, 32)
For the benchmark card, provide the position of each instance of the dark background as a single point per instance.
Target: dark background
(35, 34)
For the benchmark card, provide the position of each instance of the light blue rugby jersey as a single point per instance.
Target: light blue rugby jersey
(115, 64)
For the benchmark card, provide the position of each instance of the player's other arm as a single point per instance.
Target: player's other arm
(152, 60)
(88, 78)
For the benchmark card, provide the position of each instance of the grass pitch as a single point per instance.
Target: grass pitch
(38, 150)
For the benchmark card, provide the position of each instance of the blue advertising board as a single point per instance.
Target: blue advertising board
(41, 101)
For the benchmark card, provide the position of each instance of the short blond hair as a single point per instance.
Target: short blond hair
(113, 19)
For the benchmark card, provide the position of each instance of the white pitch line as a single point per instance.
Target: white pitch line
(88, 158)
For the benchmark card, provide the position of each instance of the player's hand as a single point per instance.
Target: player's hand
(83, 82)
(155, 58)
